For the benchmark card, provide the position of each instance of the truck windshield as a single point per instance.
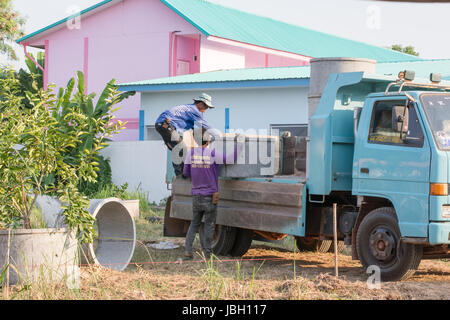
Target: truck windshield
(437, 108)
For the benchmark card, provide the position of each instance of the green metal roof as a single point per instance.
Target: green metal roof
(252, 74)
(422, 69)
(215, 20)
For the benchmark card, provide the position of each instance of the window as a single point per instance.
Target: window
(152, 134)
(296, 130)
(394, 124)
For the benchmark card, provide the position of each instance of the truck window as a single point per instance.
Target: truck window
(437, 109)
(383, 131)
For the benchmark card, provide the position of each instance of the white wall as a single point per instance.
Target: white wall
(249, 108)
(140, 164)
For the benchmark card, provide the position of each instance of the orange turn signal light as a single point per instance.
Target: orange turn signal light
(438, 189)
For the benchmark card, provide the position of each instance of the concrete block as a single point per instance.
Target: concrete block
(257, 155)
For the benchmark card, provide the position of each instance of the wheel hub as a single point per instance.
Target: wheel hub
(382, 244)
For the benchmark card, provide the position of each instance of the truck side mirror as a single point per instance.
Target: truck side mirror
(400, 117)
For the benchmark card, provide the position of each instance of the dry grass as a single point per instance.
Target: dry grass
(266, 272)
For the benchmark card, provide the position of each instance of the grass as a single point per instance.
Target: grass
(37, 219)
(159, 274)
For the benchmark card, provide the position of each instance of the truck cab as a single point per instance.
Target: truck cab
(393, 193)
(401, 160)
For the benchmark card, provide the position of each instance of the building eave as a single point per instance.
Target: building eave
(299, 82)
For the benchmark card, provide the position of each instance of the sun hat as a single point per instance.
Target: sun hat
(206, 98)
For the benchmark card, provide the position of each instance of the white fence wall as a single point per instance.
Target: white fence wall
(140, 164)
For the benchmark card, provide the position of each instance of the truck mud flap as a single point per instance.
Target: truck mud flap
(174, 227)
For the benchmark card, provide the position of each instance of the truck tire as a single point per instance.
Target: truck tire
(340, 248)
(315, 245)
(378, 243)
(242, 243)
(223, 241)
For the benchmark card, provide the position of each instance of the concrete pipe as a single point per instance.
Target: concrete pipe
(321, 69)
(116, 241)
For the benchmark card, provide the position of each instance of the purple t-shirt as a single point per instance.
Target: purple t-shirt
(201, 165)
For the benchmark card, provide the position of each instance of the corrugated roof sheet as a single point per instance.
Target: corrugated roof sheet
(250, 74)
(422, 68)
(216, 20)
(228, 23)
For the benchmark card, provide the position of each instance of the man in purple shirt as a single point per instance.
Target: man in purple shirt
(173, 122)
(201, 166)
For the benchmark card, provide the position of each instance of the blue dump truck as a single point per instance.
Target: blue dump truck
(379, 147)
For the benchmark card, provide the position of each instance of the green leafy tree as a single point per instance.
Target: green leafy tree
(408, 49)
(10, 28)
(37, 151)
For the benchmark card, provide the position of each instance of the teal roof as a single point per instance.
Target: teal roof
(236, 78)
(283, 76)
(422, 68)
(215, 20)
(251, 74)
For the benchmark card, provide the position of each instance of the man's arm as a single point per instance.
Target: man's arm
(199, 121)
(231, 158)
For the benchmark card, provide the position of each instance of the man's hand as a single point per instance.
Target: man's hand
(168, 120)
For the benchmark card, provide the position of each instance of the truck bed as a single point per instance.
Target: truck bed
(272, 204)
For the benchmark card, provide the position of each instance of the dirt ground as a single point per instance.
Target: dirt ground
(268, 272)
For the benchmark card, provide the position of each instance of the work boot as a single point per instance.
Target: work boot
(188, 256)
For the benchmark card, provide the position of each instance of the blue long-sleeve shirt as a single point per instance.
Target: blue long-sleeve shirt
(184, 117)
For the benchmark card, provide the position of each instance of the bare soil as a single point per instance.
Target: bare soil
(268, 272)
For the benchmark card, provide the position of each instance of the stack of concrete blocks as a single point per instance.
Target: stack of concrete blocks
(257, 155)
(294, 155)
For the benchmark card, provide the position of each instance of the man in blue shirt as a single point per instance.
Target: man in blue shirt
(173, 122)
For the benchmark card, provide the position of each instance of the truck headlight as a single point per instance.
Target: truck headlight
(446, 211)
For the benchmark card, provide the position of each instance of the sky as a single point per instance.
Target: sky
(424, 26)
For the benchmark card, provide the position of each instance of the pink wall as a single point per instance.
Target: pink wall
(219, 56)
(188, 51)
(130, 41)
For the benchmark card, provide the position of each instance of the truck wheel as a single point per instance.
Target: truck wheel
(378, 243)
(242, 243)
(223, 241)
(315, 245)
(340, 247)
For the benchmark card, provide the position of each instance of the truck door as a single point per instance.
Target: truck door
(394, 166)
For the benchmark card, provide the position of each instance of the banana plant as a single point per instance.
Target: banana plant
(97, 121)
(31, 80)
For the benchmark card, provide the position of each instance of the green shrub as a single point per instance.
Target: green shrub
(50, 145)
